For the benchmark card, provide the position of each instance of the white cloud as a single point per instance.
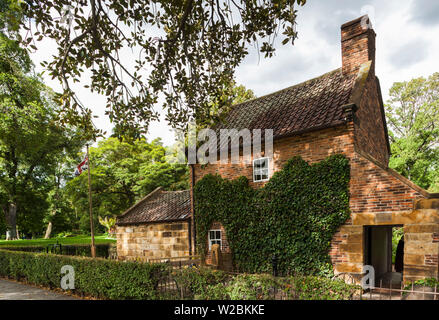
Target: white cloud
(406, 49)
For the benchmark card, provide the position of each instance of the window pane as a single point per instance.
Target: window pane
(257, 164)
(211, 234)
(264, 174)
(264, 163)
(218, 235)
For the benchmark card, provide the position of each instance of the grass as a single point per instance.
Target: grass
(99, 239)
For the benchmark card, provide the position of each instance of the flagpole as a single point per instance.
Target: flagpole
(93, 248)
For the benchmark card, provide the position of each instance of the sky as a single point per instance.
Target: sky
(406, 48)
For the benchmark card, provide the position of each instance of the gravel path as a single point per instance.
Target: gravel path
(10, 290)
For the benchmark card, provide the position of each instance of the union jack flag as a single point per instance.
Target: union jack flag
(82, 166)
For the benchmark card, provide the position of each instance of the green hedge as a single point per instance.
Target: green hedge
(110, 279)
(293, 217)
(206, 284)
(102, 250)
(107, 279)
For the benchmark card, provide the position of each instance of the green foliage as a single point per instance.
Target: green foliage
(110, 279)
(102, 250)
(33, 144)
(293, 217)
(122, 173)
(428, 282)
(397, 234)
(76, 240)
(414, 130)
(209, 284)
(108, 223)
(232, 95)
(198, 280)
(315, 288)
(191, 56)
(101, 278)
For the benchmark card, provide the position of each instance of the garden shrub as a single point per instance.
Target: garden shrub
(428, 282)
(265, 286)
(319, 288)
(199, 280)
(102, 250)
(101, 278)
(110, 279)
(294, 217)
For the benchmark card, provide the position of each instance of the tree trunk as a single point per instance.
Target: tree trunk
(48, 231)
(11, 222)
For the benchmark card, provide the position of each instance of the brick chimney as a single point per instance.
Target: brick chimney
(357, 45)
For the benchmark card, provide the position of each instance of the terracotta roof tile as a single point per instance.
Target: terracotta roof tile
(158, 206)
(312, 104)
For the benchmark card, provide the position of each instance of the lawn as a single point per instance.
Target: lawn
(99, 239)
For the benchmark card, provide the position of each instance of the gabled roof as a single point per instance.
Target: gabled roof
(311, 105)
(158, 206)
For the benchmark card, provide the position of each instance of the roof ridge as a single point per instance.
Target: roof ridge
(289, 87)
(140, 202)
(170, 191)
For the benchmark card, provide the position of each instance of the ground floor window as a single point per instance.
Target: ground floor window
(214, 238)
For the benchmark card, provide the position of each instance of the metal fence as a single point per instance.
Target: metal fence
(390, 291)
(169, 287)
(401, 293)
(178, 262)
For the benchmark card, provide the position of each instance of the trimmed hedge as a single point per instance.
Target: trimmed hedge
(294, 217)
(111, 279)
(206, 284)
(102, 250)
(101, 278)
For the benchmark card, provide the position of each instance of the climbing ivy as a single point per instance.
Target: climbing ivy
(294, 216)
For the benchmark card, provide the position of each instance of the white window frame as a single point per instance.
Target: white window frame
(260, 170)
(220, 240)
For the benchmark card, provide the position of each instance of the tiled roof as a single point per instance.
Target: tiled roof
(313, 104)
(158, 206)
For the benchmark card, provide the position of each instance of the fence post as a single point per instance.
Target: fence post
(274, 265)
(402, 288)
(390, 291)
(381, 287)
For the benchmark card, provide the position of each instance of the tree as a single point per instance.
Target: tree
(31, 138)
(413, 117)
(187, 50)
(122, 173)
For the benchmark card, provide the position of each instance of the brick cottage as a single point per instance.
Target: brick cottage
(340, 112)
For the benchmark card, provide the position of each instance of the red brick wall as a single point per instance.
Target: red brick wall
(369, 125)
(373, 188)
(312, 147)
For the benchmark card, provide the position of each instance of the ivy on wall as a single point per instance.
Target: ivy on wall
(294, 216)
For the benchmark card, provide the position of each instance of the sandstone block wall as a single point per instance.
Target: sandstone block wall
(152, 241)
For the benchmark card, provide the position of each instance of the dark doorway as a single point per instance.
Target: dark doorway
(380, 252)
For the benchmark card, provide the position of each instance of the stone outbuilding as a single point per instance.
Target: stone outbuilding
(158, 226)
